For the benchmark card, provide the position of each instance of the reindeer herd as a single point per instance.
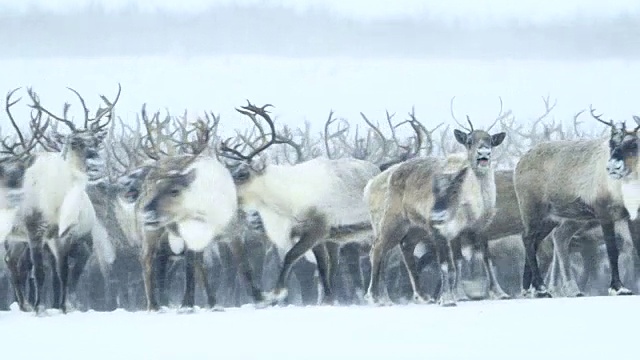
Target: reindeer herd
(115, 215)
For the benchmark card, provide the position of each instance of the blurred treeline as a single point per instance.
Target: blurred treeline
(91, 31)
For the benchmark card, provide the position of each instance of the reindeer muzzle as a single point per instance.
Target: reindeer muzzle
(616, 169)
(151, 219)
(95, 168)
(438, 217)
(483, 157)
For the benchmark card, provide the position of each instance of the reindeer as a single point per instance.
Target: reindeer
(312, 200)
(13, 165)
(176, 204)
(552, 202)
(56, 210)
(460, 199)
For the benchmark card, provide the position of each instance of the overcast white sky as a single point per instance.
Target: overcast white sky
(472, 10)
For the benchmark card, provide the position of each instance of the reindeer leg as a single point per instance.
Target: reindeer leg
(17, 259)
(148, 254)
(333, 249)
(240, 257)
(562, 237)
(616, 287)
(447, 271)
(323, 260)
(206, 279)
(306, 243)
(354, 278)
(408, 245)
(35, 231)
(533, 235)
(495, 290)
(391, 236)
(188, 301)
(463, 255)
(81, 252)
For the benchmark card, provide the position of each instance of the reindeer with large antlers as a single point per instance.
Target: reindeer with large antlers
(56, 210)
(13, 165)
(562, 185)
(311, 201)
(188, 201)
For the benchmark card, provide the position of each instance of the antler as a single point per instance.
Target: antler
(95, 122)
(456, 120)
(252, 111)
(203, 133)
(501, 116)
(598, 117)
(35, 125)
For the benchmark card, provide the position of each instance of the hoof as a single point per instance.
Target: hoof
(499, 295)
(542, 293)
(621, 291)
(371, 301)
(187, 310)
(40, 310)
(448, 303)
(419, 299)
(272, 297)
(447, 299)
(526, 293)
(579, 294)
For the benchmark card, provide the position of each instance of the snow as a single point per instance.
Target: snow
(523, 329)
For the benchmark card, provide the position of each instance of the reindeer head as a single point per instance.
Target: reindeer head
(623, 147)
(164, 192)
(83, 145)
(12, 171)
(479, 145)
(446, 190)
(130, 185)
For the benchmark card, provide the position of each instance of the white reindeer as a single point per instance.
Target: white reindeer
(56, 210)
(311, 202)
(189, 201)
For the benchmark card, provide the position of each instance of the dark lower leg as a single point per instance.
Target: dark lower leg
(608, 233)
(188, 300)
(323, 261)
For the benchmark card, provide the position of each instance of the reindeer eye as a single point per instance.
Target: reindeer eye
(174, 192)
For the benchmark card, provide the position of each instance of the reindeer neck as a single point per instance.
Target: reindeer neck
(74, 161)
(487, 187)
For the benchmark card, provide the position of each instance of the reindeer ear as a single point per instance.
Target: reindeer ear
(637, 119)
(460, 136)
(497, 139)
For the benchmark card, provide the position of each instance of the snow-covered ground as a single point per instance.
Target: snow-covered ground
(307, 89)
(563, 328)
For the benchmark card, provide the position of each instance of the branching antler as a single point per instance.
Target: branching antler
(89, 124)
(252, 111)
(36, 126)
